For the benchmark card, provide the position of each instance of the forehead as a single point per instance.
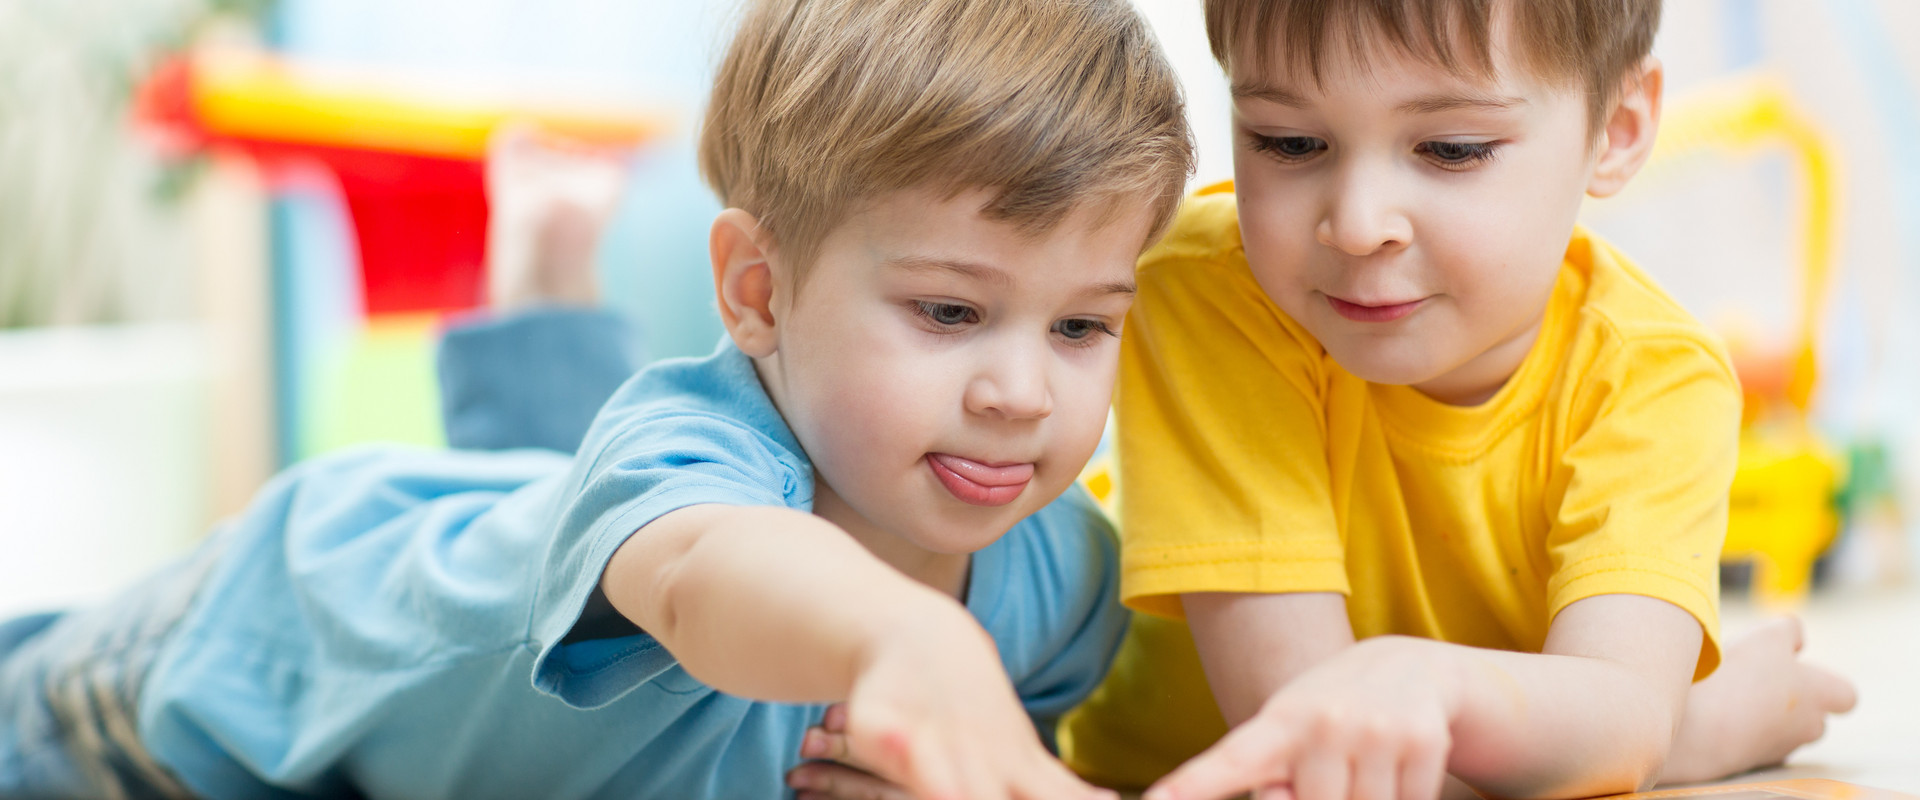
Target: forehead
(934, 239)
(1403, 80)
(920, 220)
(1285, 57)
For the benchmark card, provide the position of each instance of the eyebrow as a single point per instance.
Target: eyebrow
(1268, 92)
(982, 272)
(965, 269)
(1420, 105)
(1463, 100)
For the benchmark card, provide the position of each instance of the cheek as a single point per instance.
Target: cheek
(1277, 235)
(878, 401)
(1080, 411)
(1496, 234)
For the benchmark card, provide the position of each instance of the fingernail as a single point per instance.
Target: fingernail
(800, 780)
(813, 745)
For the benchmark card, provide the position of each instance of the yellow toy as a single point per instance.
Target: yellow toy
(1784, 512)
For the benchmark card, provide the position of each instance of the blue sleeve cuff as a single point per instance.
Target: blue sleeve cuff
(594, 673)
(530, 379)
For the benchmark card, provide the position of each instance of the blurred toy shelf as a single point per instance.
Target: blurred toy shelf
(404, 157)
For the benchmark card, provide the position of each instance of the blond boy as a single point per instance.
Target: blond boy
(1419, 477)
(862, 496)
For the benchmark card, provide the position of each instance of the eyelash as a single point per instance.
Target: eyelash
(1272, 145)
(925, 310)
(1475, 153)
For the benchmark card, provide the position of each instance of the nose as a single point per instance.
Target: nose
(1361, 216)
(1011, 383)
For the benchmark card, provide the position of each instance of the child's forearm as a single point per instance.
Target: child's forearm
(1252, 645)
(774, 604)
(1543, 726)
(1596, 714)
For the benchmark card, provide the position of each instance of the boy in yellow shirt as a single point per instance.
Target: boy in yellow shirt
(1419, 476)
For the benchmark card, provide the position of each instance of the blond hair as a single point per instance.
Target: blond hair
(1596, 43)
(1047, 104)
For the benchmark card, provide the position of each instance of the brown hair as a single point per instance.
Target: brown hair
(1597, 43)
(1048, 104)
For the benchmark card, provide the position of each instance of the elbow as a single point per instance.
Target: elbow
(1635, 768)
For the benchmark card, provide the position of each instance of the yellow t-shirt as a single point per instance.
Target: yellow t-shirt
(1251, 462)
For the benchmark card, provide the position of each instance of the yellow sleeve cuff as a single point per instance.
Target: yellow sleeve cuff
(1153, 578)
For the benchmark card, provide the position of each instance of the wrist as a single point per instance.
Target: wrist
(1451, 671)
(923, 625)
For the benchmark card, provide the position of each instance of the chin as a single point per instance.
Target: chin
(1389, 369)
(963, 533)
(952, 544)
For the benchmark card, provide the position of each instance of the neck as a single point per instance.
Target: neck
(1481, 377)
(946, 572)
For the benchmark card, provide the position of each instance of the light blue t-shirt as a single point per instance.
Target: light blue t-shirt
(418, 624)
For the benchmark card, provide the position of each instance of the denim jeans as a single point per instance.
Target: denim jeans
(70, 689)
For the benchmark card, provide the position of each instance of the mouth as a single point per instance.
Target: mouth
(979, 483)
(1382, 312)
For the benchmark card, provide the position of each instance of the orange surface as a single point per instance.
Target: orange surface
(1774, 790)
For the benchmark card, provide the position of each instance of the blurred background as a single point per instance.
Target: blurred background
(229, 230)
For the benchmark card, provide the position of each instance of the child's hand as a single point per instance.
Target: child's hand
(1761, 705)
(1369, 724)
(933, 717)
(835, 774)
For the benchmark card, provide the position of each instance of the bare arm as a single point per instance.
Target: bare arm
(1253, 645)
(1387, 718)
(776, 604)
(1595, 713)
(772, 603)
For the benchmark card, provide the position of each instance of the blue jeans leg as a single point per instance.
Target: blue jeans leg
(70, 690)
(20, 629)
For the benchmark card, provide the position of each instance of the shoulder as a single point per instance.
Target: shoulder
(1200, 256)
(1629, 321)
(1069, 542)
(1636, 357)
(722, 386)
(1206, 228)
(692, 411)
(1057, 618)
(1198, 298)
(1057, 568)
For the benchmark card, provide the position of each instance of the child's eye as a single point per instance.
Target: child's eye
(1458, 155)
(1080, 330)
(1289, 148)
(944, 314)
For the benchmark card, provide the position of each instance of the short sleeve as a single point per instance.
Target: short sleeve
(1223, 467)
(1640, 494)
(645, 470)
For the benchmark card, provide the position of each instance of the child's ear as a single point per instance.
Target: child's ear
(743, 281)
(1627, 140)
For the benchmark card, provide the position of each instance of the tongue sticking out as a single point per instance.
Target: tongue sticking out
(1010, 475)
(980, 484)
